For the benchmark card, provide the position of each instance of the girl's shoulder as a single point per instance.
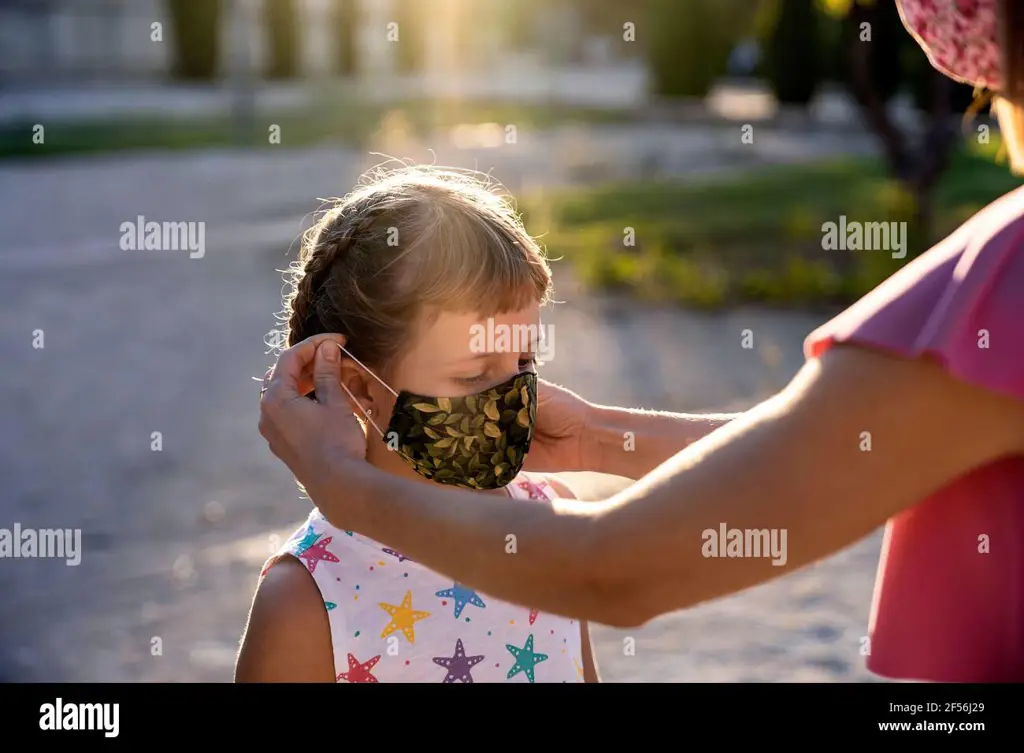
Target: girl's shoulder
(317, 543)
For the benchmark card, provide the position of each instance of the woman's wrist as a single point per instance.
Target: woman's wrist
(631, 443)
(602, 439)
(340, 492)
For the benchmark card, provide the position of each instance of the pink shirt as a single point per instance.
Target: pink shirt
(949, 596)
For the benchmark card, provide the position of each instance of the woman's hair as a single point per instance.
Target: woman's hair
(409, 240)
(1008, 104)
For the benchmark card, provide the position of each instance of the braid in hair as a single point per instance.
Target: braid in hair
(325, 245)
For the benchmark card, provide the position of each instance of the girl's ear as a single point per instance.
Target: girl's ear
(357, 383)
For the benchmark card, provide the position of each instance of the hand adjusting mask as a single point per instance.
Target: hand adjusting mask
(475, 442)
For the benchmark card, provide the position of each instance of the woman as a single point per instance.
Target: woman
(910, 409)
(406, 266)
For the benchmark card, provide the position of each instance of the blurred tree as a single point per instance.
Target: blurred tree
(280, 20)
(690, 42)
(346, 34)
(833, 57)
(196, 32)
(873, 26)
(410, 48)
(608, 18)
(520, 24)
(793, 53)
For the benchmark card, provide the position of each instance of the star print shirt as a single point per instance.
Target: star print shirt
(393, 620)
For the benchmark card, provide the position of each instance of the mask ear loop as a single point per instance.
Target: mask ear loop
(352, 397)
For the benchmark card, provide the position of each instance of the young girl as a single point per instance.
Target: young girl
(406, 268)
(929, 366)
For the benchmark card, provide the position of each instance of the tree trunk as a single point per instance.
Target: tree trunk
(196, 31)
(281, 23)
(346, 27)
(410, 50)
(917, 169)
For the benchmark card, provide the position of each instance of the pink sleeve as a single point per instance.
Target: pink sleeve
(943, 609)
(962, 302)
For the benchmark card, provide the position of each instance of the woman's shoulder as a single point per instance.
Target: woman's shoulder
(958, 303)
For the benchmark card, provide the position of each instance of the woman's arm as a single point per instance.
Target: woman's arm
(288, 636)
(576, 435)
(632, 443)
(856, 438)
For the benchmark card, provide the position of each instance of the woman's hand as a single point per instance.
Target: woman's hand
(311, 437)
(560, 432)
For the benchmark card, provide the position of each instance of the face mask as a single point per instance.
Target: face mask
(476, 442)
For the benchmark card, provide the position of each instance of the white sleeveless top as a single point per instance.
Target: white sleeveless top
(393, 620)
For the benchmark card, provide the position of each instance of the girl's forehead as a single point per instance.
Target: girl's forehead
(449, 335)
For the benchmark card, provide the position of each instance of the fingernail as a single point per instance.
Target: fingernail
(330, 352)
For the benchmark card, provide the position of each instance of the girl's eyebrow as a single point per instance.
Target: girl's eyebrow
(472, 357)
(482, 356)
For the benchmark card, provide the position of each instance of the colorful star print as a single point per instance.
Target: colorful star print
(526, 659)
(403, 617)
(533, 615)
(359, 672)
(459, 665)
(308, 539)
(393, 553)
(579, 669)
(330, 605)
(461, 596)
(535, 491)
(317, 553)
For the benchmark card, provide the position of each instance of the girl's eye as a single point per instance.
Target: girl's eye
(529, 363)
(470, 381)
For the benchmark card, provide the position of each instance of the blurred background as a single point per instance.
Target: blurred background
(677, 158)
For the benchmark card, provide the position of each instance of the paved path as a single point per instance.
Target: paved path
(143, 342)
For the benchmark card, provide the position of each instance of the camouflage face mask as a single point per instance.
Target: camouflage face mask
(476, 441)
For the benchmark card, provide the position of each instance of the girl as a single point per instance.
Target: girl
(406, 268)
(910, 409)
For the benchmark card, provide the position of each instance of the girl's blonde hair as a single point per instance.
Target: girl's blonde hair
(408, 240)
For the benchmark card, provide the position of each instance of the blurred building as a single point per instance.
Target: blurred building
(61, 41)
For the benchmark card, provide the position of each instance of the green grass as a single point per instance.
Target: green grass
(752, 238)
(353, 124)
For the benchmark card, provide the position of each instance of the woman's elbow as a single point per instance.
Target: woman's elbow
(618, 604)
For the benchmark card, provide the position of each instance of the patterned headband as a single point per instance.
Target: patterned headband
(960, 37)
